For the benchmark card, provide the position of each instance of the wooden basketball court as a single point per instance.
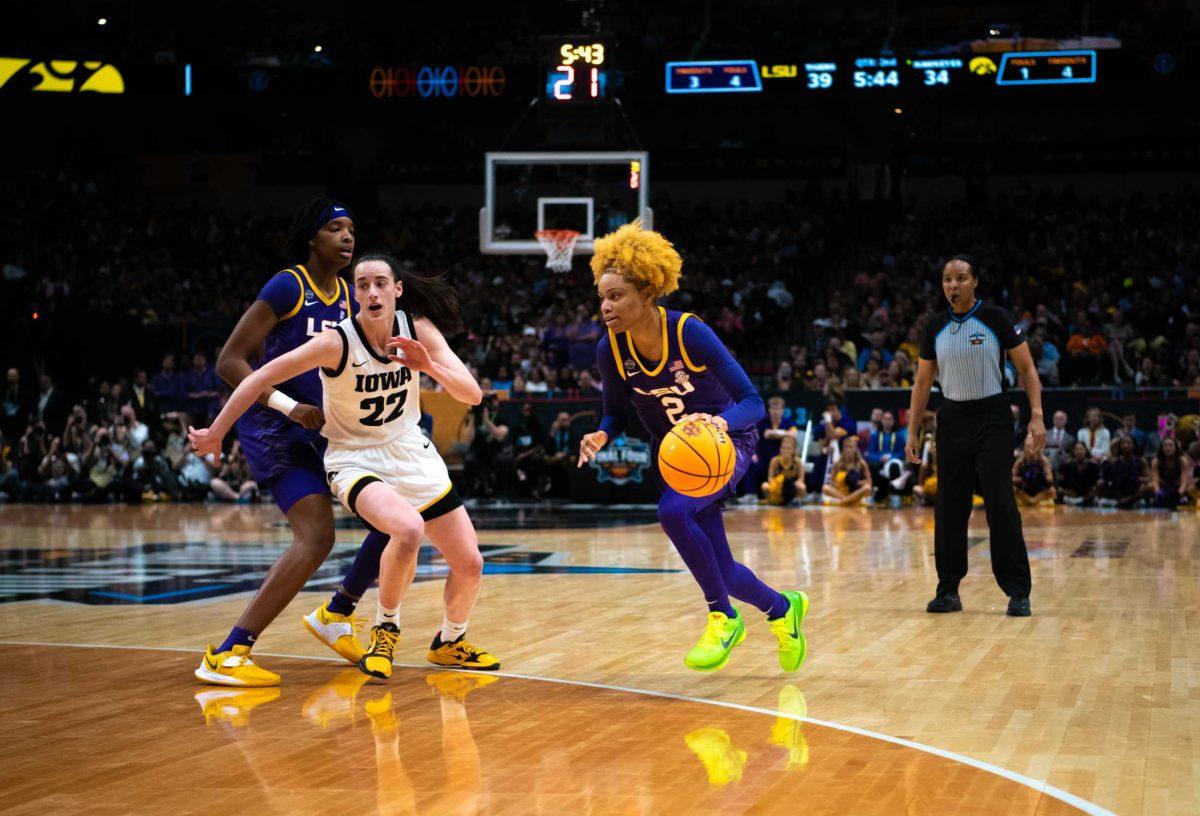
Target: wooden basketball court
(1092, 705)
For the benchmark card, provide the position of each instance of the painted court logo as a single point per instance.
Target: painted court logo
(623, 462)
(182, 571)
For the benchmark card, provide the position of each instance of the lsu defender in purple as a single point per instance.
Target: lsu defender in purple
(669, 367)
(281, 433)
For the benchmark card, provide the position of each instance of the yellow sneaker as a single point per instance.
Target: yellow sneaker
(233, 668)
(457, 685)
(460, 654)
(723, 762)
(332, 704)
(381, 715)
(338, 632)
(233, 705)
(377, 661)
(788, 733)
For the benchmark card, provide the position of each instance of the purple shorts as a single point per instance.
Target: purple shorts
(283, 457)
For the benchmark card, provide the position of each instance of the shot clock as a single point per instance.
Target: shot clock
(575, 69)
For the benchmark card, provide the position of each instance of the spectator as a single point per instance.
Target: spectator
(1171, 475)
(10, 479)
(1059, 441)
(55, 473)
(103, 482)
(875, 351)
(529, 441)
(1079, 477)
(785, 475)
(233, 482)
(1018, 430)
(137, 430)
(489, 461)
(783, 377)
(15, 406)
(1130, 429)
(772, 429)
(167, 386)
(1095, 435)
(1032, 478)
(151, 476)
(1119, 333)
(559, 447)
(1126, 477)
(200, 386)
(885, 457)
(851, 483)
(141, 397)
(50, 408)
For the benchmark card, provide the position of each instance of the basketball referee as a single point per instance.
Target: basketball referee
(964, 348)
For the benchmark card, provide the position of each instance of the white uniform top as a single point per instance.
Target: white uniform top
(368, 399)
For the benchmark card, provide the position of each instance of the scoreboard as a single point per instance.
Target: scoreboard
(881, 74)
(576, 69)
(720, 76)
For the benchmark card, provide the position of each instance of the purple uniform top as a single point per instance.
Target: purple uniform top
(270, 440)
(696, 374)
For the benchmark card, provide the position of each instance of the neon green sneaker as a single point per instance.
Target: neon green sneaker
(721, 634)
(792, 645)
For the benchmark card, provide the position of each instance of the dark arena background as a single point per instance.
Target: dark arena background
(815, 165)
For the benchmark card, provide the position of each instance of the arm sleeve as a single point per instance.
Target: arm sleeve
(282, 293)
(1009, 333)
(614, 394)
(705, 349)
(928, 335)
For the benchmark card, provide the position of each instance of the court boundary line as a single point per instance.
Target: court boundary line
(1041, 786)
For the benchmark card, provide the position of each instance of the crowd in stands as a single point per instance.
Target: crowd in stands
(845, 462)
(810, 300)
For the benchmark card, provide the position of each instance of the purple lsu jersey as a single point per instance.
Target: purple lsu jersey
(273, 444)
(676, 385)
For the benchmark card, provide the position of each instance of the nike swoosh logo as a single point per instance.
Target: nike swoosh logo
(725, 643)
(212, 664)
(795, 630)
(426, 444)
(358, 365)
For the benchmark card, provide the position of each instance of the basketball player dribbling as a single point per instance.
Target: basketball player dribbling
(379, 464)
(671, 368)
(280, 433)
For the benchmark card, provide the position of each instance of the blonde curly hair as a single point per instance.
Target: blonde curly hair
(643, 257)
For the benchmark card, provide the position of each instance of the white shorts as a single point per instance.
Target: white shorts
(409, 464)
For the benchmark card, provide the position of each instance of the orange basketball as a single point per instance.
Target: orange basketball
(696, 459)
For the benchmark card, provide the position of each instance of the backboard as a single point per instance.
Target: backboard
(590, 192)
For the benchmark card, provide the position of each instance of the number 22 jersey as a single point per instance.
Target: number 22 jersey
(369, 400)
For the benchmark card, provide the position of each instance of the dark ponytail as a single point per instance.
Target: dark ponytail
(430, 297)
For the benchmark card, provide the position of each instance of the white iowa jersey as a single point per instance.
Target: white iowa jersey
(368, 399)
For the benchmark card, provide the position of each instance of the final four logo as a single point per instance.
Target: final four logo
(623, 462)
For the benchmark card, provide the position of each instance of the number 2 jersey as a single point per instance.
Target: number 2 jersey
(696, 375)
(369, 400)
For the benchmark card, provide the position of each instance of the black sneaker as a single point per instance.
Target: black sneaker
(945, 603)
(1018, 606)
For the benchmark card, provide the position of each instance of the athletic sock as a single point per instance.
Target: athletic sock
(237, 637)
(391, 616)
(723, 606)
(779, 607)
(451, 631)
(341, 603)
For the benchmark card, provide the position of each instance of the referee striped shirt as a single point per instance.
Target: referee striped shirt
(969, 350)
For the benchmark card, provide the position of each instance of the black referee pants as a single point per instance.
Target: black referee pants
(975, 447)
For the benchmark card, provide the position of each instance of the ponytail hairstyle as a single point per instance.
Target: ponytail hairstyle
(431, 297)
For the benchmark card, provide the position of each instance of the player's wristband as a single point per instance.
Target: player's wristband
(281, 402)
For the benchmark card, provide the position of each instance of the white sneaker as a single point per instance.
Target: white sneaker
(338, 632)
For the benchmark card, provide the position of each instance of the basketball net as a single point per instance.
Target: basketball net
(559, 246)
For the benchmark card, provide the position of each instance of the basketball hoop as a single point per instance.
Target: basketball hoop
(559, 246)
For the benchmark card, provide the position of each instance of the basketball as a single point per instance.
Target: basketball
(696, 459)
